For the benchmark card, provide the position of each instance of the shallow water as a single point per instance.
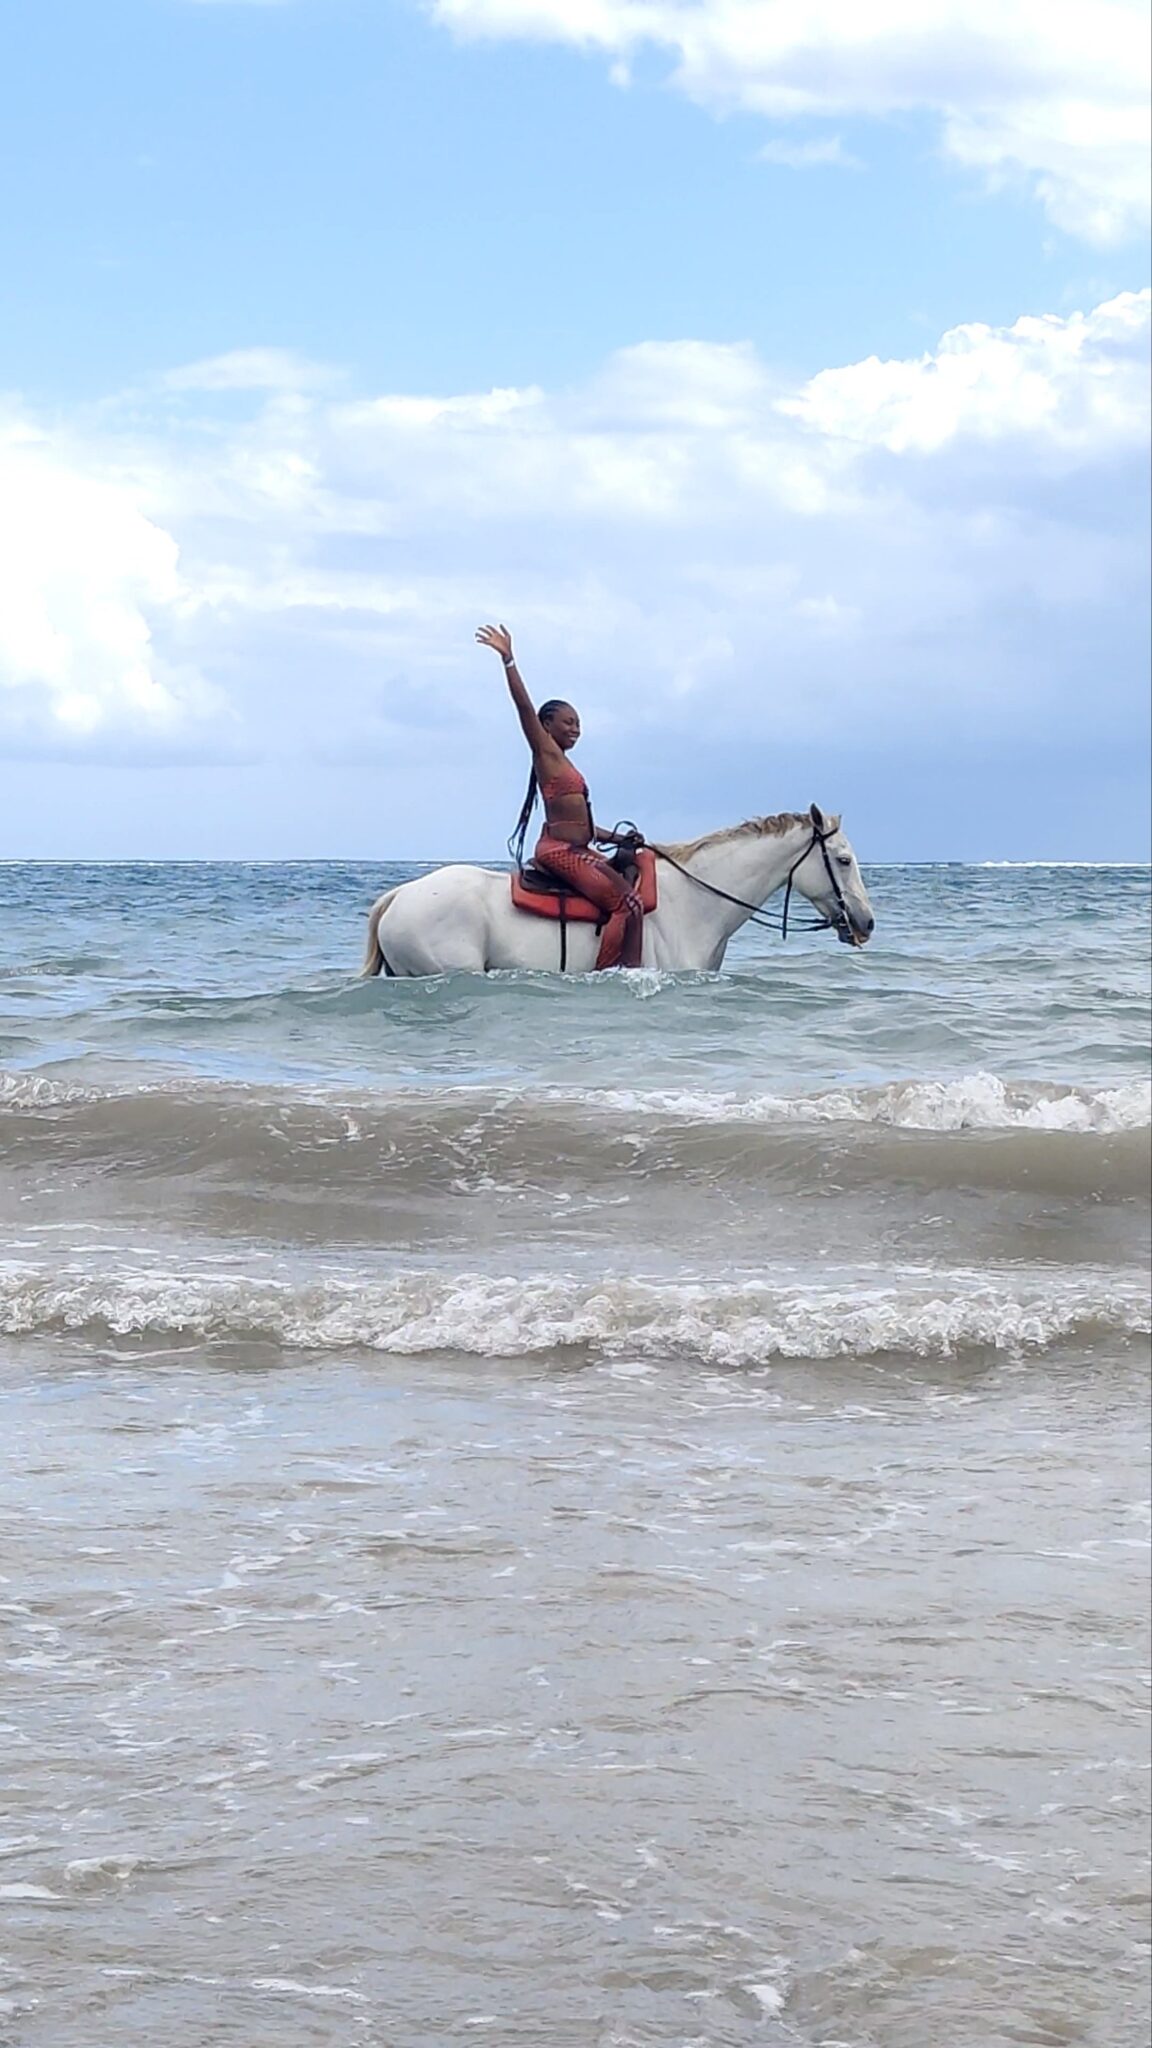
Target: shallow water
(348, 1700)
(577, 1514)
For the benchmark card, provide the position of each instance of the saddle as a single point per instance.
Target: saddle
(545, 895)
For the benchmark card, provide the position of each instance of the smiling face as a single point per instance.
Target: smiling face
(829, 876)
(562, 722)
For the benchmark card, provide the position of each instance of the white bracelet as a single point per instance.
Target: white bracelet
(509, 660)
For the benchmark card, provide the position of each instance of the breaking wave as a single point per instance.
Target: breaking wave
(971, 1102)
(982, 1132)
(927, 1314)
(974, 1102)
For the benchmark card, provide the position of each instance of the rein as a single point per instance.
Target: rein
(756, 912)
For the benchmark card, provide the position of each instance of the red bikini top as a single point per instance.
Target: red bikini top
(567, 782)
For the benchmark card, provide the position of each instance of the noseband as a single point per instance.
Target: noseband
(768, 918)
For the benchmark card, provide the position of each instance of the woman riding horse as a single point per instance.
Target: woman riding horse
(565, 845)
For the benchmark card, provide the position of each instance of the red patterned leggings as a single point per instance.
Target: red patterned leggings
(623, 935)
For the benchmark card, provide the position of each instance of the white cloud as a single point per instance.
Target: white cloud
(86, 582)
(826, 153)
(250, 369)
(1077, 386)
(1052, 92)
(684, 542)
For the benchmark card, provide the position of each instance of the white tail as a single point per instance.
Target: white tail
(374, 958)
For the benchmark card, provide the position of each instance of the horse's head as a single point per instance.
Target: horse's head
(830, 878)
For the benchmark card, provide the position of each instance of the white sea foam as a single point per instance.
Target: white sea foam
(769, 1997)
(87, 1873)
(978, 1101)
(972, 1102)
(39, 1091)
(291, 1987)
(928, 1313)
(1138, 864)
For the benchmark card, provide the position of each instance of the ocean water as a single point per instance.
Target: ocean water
(576, 1513)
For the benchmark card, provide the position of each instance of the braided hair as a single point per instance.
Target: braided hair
(545, 714)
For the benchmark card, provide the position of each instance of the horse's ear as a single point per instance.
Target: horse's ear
(824, 825)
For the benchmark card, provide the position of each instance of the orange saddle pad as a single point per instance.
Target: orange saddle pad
(577, 909)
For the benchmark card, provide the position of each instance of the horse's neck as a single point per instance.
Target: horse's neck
(750, 865)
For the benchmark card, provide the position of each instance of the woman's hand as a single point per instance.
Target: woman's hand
(499, 639)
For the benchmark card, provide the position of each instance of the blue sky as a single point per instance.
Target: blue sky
(779, 374)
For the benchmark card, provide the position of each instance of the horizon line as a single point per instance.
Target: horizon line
(127, 860)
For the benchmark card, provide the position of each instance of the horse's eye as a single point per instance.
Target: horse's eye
(844, 860)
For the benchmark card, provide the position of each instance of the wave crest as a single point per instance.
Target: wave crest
(968, 1102)
(971, 1102)
(930, 1315)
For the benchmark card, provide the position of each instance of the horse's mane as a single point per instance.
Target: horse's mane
(759, 828)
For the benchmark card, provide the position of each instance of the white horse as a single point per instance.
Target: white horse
(462, 919)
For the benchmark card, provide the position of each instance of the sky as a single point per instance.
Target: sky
(777, 372)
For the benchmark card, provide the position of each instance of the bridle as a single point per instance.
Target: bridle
(769, 919)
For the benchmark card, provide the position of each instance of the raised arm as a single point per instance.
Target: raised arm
(544, 748)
